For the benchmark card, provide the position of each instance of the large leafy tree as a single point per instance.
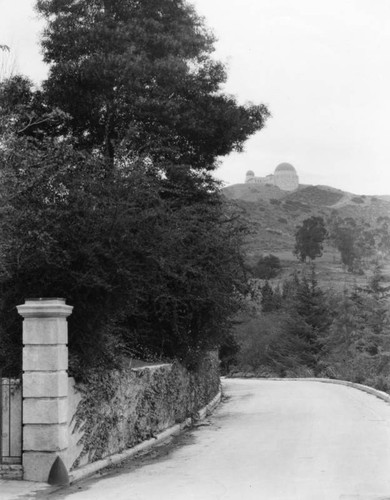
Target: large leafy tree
(309, 238)
(140, 75)
(152, 268)
(355, 241)
(106, 195)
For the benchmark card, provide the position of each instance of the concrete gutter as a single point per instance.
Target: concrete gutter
(89, 469)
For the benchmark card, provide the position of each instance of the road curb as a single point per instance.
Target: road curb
(365, 388)
(90, 469)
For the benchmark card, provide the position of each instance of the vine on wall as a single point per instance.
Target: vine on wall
(122, 408)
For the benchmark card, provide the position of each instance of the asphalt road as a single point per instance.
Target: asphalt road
(270, 440)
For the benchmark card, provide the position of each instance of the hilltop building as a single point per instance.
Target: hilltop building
(285, 177)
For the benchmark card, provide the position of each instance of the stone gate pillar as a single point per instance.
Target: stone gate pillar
(45, 385)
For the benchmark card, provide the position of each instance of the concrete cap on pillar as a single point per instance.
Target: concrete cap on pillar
(44, 308)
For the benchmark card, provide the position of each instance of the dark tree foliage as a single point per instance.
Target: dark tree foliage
(346, 244)
(228, 352)
(24, 112)
(373, 314)
(140, 75)
(355, 241)
(288, 336)
(267, 267)
(310, 303)
(270, 298)
(270, 344)
(152, 269)
(358, 341)
(383, 235)
(343, 335)
(309, 238)
(310, 316)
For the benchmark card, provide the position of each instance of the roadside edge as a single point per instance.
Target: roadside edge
(365, 388)
(90, 469)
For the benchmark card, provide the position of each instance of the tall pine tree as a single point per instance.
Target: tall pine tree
(140, 76)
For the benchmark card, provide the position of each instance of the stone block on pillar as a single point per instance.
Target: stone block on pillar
(45, 357)
(45, 384)
(45, 411)
(45, 437)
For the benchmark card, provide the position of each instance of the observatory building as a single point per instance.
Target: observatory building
(285, 177)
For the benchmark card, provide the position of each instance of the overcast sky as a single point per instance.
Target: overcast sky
(321, 66)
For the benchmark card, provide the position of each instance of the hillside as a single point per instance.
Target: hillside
(253, 192)
(274, 216)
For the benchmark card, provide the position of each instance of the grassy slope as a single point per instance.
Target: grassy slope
(274, 216)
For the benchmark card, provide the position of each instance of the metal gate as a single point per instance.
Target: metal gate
(10, 420)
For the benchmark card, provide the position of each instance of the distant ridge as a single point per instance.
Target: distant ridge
(273, 214)
(319, 195)
(253, 192)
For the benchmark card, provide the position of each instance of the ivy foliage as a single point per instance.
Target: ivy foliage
(121, 408)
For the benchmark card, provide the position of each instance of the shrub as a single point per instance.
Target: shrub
(267, 267)
(268, 341)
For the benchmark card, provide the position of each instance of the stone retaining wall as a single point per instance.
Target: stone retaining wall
(117, 410)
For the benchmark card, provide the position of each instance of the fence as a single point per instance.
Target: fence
(10, 420)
